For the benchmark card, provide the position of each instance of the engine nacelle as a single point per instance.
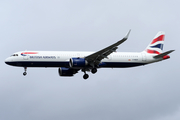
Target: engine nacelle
(77, 62)
(65, 71)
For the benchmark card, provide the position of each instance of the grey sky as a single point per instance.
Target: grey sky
(143, 93)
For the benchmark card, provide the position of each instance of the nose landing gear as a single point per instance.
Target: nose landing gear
(25, 73)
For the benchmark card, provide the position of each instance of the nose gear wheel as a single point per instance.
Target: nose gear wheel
(25, 73)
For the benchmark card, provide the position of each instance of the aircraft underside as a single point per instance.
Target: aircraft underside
(66, 64)
(66, 70)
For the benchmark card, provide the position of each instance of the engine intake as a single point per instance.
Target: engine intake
(77, 62)
(65, 71)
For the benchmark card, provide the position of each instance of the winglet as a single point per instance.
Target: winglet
(126, 37)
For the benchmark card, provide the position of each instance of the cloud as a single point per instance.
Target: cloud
(142, 93)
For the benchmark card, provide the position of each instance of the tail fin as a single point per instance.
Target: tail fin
(156, 46)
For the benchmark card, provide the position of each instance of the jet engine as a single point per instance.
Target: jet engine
(77, 62)
(65, 71)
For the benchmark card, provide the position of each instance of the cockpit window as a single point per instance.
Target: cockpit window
(14, 55)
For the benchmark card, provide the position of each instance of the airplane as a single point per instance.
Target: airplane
(70, 62)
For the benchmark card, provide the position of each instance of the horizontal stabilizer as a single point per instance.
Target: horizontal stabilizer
(163, 54)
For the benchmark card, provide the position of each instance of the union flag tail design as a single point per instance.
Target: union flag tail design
(156, 46)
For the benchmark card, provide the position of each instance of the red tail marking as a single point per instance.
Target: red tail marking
(160, 38)
(166, 57)
(152, 51)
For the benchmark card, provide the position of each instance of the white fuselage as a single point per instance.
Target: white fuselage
(61, 59)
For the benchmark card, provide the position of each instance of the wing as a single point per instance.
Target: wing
(95, 58)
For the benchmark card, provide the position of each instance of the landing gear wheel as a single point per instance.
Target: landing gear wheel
(94, 70)
(24, 73)
(85, 76)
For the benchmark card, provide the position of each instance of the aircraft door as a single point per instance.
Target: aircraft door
(143, 56)
(25, 57)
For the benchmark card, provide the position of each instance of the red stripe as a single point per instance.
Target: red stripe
(166, 57)
(152, 51)
(160, 38)
(29, 53)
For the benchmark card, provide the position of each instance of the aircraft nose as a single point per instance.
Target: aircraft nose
(7, 60)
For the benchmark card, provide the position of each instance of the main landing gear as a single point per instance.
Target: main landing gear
(86, 76)
(94, 70)
(25, 73)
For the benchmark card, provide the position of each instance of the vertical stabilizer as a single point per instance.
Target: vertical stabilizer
(156, 46)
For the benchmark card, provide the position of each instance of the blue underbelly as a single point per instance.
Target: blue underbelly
(66, 64)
